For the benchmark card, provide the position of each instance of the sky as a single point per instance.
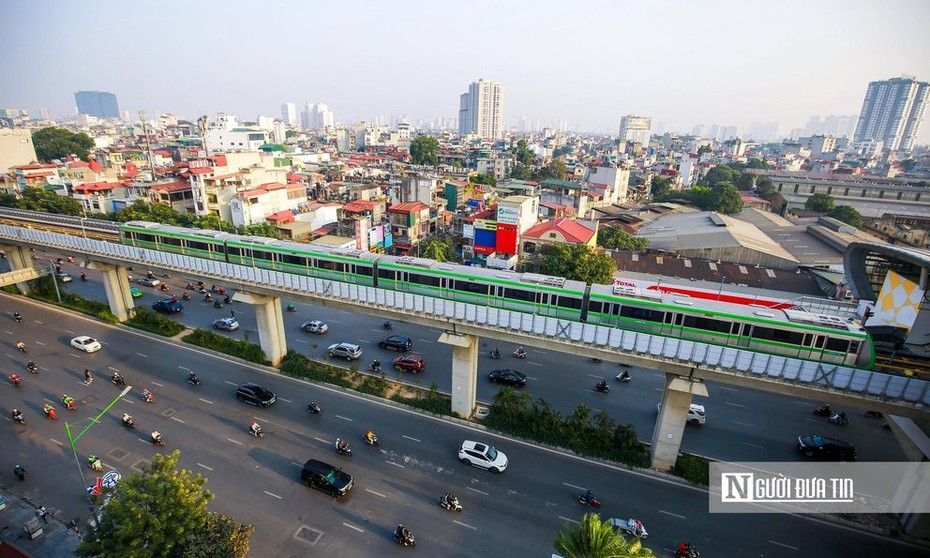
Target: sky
(682, 62)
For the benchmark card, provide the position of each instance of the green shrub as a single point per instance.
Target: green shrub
(42, 289)
(154, 323)
(241, 349)
(692, 468)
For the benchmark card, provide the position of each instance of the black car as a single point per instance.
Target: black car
(255, 394)
(396, 342)
(327, 478)
(168, 306)
(508, 376)
(828, 449)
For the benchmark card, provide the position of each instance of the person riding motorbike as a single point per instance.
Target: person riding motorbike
(49, 411)
(370, 436)
(32, 367)
(387, 324)
(256, 428)
(402, 533)
(21, 346)
(495, 353)
(589, 496)
(450, 500)
(94, 462)
(186, 296)
(601, 386)
(342, 445)
(208, 297)
(83, 277)
(375, 366)
(17, 316)
(127, 419)
(520, 352)
(18, 416)
(15, 379)
(291, 307)
(147, 396)
(68, 402)
(164, 287)
(156, 437)
(118, 379)
(227, 300)
(193, 379)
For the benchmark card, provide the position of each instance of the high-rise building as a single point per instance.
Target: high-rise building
(289, 113)
(317, 116)
(892, 112)
(481, 110)
(636, 128)
(97, 103)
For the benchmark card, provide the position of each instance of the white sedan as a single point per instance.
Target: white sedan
(86, 344)
(314, 326)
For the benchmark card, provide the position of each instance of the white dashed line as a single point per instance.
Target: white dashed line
(783, 545)
(40, 343)
(142, 355)
(476, 490)
(113, 369)
(752, 445)
(184, 368)
(233, 441)
(813, 420)
(205, 467)
(178, 420)
(40, 322)
(375, 493)
(532, 378)
(534, 363)
(207, 401)
(56, 441)
(395, 464)
(273, 495)
(409, 438)
(74, 355)
(575, 521)
(728, 388)
(285, 400)
(231, 383)
(673, 514)
(806, 403)
(157, 384)
(344, 418)
(321, 440)
(743, 423)
(8, 332)
(576, 487)
(735, 405)
(596, 375)
(376, 330)
(302, 341)
(359, 529)
(464, 524)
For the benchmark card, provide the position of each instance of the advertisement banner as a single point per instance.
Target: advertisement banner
(508, 215)
(485, 224)
(506, 242)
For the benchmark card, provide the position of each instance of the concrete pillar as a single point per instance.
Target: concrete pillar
(19, 258)
(117, 289)
(670, 425)
(270, 324)
(464, 371)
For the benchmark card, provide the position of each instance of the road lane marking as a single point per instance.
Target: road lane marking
(752, 445)
(296, 464)
(531, 378)
(375, 493)
(806, 403)
(178, 420)
(424, 340)
(743, 423)
(231, 383)
(377, 330)
(575, 521)
(813, 420)
(409, 438)
(40, 343)
(207, 401)
(142, 355)
(673, 514)
(113, 369)
(534, 363)
(728, 388)
(233, 441)
(271, 494)
(464, 524)
(783, 545)
(40, 322)
(75, 355)
(395, 464)
(157, 384)
(344, 418)
(735, 405)
(302, 341)
(574, 486)
(184, 368)
(285, 400)
(8, 332)
(596, 375)
(476, 490)
(205, 467)
(359, 529)
(56, 441)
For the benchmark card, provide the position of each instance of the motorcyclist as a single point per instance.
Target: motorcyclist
(83, 277)
(156, 436)
(186, 296)
(118, 378)
(402, 533)
(127, 419)
(15, 379)
(95, 463)
(495, 353)
(450, 499)
(192, 378)
(208, 297)
(49, 410)
(256, 428)
(68, 401)
(520, 352)
(291, 307)
(342, 445)
(164, 287)
(18, 416)
(32, 366)
(589, 496)
(370, 436)
(17, 316)
(147, 395)
(602, 385)
(376, 365)
(21, 346)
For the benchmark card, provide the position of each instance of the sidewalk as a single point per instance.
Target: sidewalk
(55, 540)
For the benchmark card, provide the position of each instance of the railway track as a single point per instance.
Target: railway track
(64, 224)
(902, 365)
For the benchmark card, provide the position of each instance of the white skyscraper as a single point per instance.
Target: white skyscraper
(481, 110)
(289, 113)
(317, 117)
(892, 112)
(636, 128)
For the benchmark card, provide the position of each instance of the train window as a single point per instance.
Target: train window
(569, 302)
(819, 341)
(595, 307)
(294, 260)
(385, 273)
(170, 241)
(838, 345)
(707, 324)
(469, 287)
(194, 245)
(428, 280)
(641, 313)
(853, 347)
(331, 266)
(519, 294)
(142, 237)
(780, 335)
(363, 270)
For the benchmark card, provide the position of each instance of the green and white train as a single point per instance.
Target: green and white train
(786, 332)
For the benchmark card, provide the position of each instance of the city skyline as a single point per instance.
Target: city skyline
(679, 63)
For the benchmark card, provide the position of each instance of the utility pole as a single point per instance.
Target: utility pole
(148, 144)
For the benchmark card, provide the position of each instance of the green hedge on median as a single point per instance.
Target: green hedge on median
(209, 340)
(153, 322)
(43, 289)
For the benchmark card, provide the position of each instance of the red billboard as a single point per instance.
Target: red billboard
(506, 238)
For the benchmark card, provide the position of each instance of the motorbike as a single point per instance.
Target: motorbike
(18, 317)
(32, 367)
(83, 277)
(624, 376)
(602, 387)
(185, 296)
(823, 411)
(404, 537)
(291, 308)
(373, 441)
(343, 449)
(148, 397)
(118, 380)
(193, 380)
(687, 550)
(22, 347)
(314, 409)
(593, 502)
(191, 287)
(839, 419)
(451, 504)
(217, 304)
(165, 288)
(14, 379)
(375, 367)
(257, 433)
(129, 423)
(387, 325)
(50, 412)
(156, 439)
(94, 462)
(519, 354)
(495, 354)
(69, 403)
(18, 417)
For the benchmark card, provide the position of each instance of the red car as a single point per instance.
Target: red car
(410, 363)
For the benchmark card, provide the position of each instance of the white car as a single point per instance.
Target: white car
(86, 344)
(482, 456)
(314, 326)
(695, 414)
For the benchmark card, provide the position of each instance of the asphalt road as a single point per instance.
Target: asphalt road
(256, 481)
(742, 424)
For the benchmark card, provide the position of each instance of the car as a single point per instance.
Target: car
(168, 306)
(348, 351)
(255, 394)
(696, 415)
(325, 477)
(483, 456)
(148, 281)
(508, 376)
(410, 363)
(136, 293)
(63, 277)
(86, 343)
(396, 342)
(314, 326)
(828, 449)
(226, 324)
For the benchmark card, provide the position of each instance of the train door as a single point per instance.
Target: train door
(812, 346)
(671, 323)
(743, 333)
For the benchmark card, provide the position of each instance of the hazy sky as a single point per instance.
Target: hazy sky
(682, 62)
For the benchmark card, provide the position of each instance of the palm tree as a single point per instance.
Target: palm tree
(593, 538)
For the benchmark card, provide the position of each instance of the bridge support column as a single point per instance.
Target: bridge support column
(464, 371)
(19, 258)
(270, 324)
(117, 289)
(670, 426)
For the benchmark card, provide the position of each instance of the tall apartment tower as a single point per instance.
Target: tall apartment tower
(636, 128)
(97, 103)
(289, 113)
(892, 112)
(481, 110)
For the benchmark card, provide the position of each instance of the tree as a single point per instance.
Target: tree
(848, 215)
(704, 149)
(525, 157)
(908, 164)
(756, 163)
(593, 538)
(820, 202)
(291, 133)
(8, 199)
(556, 169)
(764, 186)
(424, 150)
(618, 239)
(439, 249)
(521, 172)
(153, 514)
(923, 184)
(260, 229)
(221, 537)
(484, 179)
(722, 197)
(745, 182)
(37, 199)
(564, 150)
(778, 202)
(575, 261)
(58, 143)
(720, 173)
(660, 186)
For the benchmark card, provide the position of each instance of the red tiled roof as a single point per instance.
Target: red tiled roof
(272, 186)
(78, 165)
(572, 230)
(201, 170)
(359, 205)
(458, 182)
(225, 176)
(291, 177)
(280, 216)
(35, 167)
(171, 186)
(408, 207)
(96, 187)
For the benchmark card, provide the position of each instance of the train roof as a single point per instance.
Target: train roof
(171, 229)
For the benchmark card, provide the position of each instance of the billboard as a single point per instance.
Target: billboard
(898, 302)
(508, 215)
(506, 239)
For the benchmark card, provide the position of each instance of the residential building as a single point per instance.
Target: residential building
(317, 116)
(481, 110)
(289, 113)
(819, 145)
(235, 139)
(495, 164)
(253, 206)
(559, 231)
(97, 103)
(16, 148)
(892, 112)
(688, 169)
(178, 194)
(103, 197)
(610, 181)
(410, 224)
(635, 129)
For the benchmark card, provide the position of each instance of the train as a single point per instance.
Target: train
(761, 328)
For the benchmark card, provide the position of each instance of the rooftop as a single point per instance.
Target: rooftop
(571, 230)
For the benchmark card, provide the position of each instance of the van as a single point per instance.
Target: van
(695, 414)
(325, 477)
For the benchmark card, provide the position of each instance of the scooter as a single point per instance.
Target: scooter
(14, 379)
(403, 540)
(185, 296)
(156, 439)
(118, 380)
(257, 433)
(839, 419)
(18, 418)
(624, 376)
(373, 441)
(451, 505)
(593, 502)
(314, 409)
(602, 387)
(823, 411)
(518, 354)
(495, 354)
(33, 367)
(346, 451)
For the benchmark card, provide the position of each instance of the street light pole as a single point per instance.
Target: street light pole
(72, 440)
(719, 292)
